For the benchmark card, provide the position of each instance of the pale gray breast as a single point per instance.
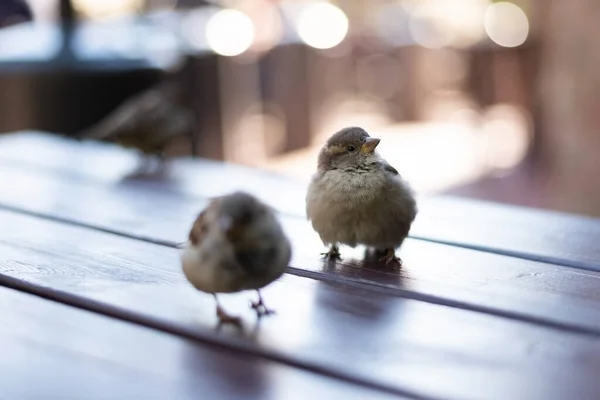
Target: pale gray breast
(340, 187)
(370, 207)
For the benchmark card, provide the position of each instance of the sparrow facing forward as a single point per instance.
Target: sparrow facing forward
(357, 198)
(235, 244)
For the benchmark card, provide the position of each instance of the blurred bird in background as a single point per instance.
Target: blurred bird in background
(235, 244)
(149, 122)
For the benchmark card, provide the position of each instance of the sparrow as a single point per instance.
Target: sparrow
(148, 121)
(357, 198)
(236, 243)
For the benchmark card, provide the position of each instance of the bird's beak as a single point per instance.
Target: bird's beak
(369, 146)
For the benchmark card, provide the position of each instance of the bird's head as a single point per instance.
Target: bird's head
(347, 148)
(238, 211)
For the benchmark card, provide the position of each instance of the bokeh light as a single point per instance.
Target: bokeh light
(229, 32)
(436, 24)
(94, 9)
(506, 24)
(268, 24)
(322, 25)
(429, 28)
(465, 19)
(506, 130)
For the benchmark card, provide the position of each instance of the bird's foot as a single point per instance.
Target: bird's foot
(225, 318)
(390, 259)
(261, 309)
(332, 254)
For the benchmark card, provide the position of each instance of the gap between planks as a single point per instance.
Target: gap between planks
(92, 181)
(204, 337)
(335, 278)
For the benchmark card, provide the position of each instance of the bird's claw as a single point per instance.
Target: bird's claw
(390, 259)
(261, 309)
(332, 255)
(225, 318)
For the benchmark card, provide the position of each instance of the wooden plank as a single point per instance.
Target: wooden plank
(54, 351)
(509, 287)
(430, 350)
(550, 237)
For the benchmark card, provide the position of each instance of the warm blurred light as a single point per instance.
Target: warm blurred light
(391, 23)
(268, 23)
(506, 24)
(97, 9)
(43, 10)
(440, 23)
(229, 32)
(322, 25)
(263, 135)
(506, 130)
(465, 19)
(429, 28)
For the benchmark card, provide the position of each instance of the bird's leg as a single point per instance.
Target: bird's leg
(161, 159)
(160, 156)
(223, 316)
(390, 258)
(260, 307)
(161, 162)
(143, 166)
(333, 253)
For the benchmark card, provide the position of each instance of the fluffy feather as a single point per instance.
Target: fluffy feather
(358, 198)
(235, 244)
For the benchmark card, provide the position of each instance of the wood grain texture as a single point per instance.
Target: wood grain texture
(511, 287)
(431, 350)
(516, 231)
(54, 351)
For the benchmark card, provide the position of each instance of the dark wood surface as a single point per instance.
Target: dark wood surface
(552, 237)
(454, 322)
(410, 345)
(449, 275)
(50, 350)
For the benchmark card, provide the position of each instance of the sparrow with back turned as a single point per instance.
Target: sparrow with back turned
(357, 198)
(235, 244)
(149, 121)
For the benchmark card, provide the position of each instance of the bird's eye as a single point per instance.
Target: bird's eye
(351, 148)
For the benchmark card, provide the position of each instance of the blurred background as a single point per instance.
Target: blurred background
(497, 100)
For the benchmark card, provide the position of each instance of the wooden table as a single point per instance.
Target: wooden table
(492, 302)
